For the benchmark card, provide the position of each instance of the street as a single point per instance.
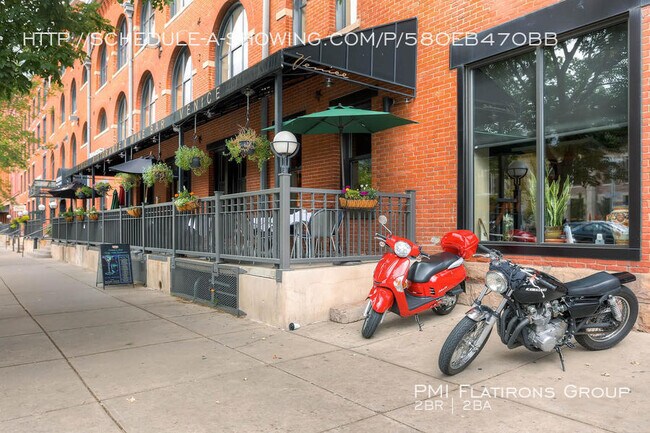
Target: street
(75, 358)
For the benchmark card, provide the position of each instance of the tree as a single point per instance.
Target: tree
(37, 39)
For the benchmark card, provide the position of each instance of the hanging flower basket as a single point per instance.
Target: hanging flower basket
(135, 212)
(69, 219)
(188, 207)
(357, 204)
(186, 201)
(93, 216)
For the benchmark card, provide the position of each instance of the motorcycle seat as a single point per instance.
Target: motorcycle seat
(593, 285)
(421, 272)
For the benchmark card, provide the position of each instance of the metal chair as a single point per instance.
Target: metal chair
(324, 225)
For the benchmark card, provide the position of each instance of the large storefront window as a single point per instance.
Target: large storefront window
(550, 141)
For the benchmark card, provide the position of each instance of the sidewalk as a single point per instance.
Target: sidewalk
(74, 358)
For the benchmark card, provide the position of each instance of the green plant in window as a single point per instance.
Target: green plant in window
(157, 173)
(193, 158)
(556, 199)
(84, 192)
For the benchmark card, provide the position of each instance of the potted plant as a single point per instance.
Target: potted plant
(247, 144)
(192, 158)
(84, 192)
(68, 215)
(556, 200)
(186, 201)
(134, 211)
(93, 215)
(102, 188)
(80, 213)
(159, 172)
(363, 198)
(128, 180)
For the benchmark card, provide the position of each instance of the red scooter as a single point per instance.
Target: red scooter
(408, 281)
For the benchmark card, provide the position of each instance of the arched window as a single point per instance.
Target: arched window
(52, 173)
(232, 50)
(52, 123)
(44, 167)
(84, 76)
(147, 103)
(62, 109)
(84, 134)
(62, 155)
(121, 118)
(147, 23)
(101, 123)
(122, 42)
(103, 65)
(182, 80)
(73, 149)
(73, 97)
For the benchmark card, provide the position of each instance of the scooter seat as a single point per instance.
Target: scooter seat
(421, 272)
(593, 285)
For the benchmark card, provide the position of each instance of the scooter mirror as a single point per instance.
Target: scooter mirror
(382, 219)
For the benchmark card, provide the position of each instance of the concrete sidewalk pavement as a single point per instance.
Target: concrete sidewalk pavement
(74, 358)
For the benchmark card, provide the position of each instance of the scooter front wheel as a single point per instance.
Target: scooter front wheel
(460, 347)
(447, 306)
(370, 323)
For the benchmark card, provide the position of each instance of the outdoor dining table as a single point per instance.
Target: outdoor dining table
(266, 223)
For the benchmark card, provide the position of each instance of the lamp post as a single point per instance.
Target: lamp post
(53, 204)
(516, 171)
(285, 146)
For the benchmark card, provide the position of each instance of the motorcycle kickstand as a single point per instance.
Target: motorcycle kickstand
(558, 349)
(417, 319)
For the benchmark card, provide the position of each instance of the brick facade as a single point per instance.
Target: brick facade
(422, 157)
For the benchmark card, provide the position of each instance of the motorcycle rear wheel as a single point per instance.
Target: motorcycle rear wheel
(370, 323)
(629, 305)
(458, 351)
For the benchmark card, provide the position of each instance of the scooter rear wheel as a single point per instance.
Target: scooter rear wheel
(370, 323)
(444, 309)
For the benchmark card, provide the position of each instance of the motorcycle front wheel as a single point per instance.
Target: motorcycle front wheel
(370, 323)
(604, 338)
(459, 349)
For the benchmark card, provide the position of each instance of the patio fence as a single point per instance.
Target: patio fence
(244, 227)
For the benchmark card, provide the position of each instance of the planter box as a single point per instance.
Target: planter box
(357, 204)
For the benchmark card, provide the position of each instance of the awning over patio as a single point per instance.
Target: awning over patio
(382, 57)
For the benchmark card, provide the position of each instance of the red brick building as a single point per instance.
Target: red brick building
(559, 87)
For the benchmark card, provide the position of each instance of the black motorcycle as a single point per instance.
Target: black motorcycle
(541, 313)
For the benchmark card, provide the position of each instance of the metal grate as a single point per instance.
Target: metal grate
(139, 262)
(199, 282)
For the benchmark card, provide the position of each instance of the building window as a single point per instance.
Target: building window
(38, 134)
(44, 130)
(148, 103)
(62, 155)
(62, 109)
(73, 97)
(147, 23)
(52, 117)
(346, 13)
(232, 50)
(121, 118)
(580, 156)
(122, 43)
(52, 173)
(84, 134)
(44, 167)
(103, 65)
(182, 80)
(101, 123)
(84, 75)
(359, 160)
(73, 149)
(177, 5)
(299, 21)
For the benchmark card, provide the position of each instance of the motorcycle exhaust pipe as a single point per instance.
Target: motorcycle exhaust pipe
(516, 332)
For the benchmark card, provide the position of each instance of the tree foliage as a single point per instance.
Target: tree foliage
(14, 139)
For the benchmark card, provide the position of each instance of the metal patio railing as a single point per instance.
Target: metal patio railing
(244, 227)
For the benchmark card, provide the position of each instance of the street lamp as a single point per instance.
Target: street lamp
(516, 171)
(41, 207)
(285, 145)
(53, 204)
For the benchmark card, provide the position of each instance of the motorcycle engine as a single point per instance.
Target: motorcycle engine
(547, 330)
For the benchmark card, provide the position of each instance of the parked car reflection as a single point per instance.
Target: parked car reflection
(586, 232)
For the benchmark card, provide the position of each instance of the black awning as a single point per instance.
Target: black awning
(66, 191)
(383, 57)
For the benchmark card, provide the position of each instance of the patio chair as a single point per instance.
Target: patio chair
(323, 229)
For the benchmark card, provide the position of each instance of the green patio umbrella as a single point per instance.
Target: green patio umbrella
(115, 202)
(343, 120)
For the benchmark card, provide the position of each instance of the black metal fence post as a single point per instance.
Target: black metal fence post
(217, 226)
(410, 225)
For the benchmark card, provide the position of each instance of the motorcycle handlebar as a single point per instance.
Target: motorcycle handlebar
(484, 249)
